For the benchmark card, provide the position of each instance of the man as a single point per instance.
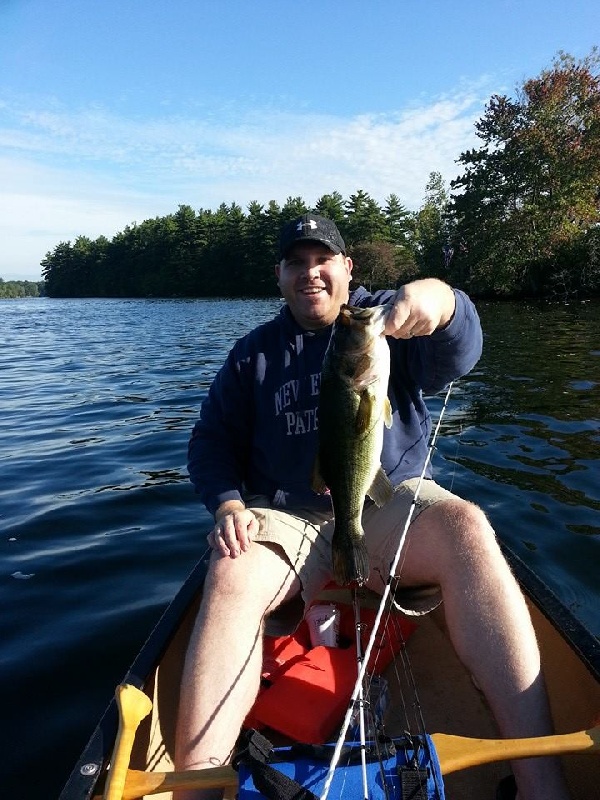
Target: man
(250, 459)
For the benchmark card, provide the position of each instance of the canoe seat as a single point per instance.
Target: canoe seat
(411, 600)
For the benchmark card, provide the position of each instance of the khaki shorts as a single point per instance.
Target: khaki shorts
(305, 538)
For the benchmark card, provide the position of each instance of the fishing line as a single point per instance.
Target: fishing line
(455, 458)
(401, 550)
(419, 720)
(453, 475)
(384, 598)
(361, 697)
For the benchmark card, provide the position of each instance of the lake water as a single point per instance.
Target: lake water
(100, 525)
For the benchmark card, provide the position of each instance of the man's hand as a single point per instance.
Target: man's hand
(234, 528)
(419, 308)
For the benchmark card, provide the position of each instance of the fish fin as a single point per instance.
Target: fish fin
(317, 483)
(364, 413)
(387, 413)
(381, 489)
(350, 561)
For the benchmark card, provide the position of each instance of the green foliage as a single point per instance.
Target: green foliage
(363, 221)
(530, 195)
(15, 289)
(375, 265)
(432, 228)
(225, 252)
(332, 207)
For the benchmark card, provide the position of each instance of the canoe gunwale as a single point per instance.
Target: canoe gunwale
(585, 645)
(81, 784)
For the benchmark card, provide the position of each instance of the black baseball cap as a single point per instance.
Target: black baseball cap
(311, 228)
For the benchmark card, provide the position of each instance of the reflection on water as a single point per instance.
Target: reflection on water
(538, 360)
(523, 440)
(100, 524)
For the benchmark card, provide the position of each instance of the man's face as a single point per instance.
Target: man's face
(314, 282)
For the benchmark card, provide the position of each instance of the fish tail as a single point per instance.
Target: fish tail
(350, 561)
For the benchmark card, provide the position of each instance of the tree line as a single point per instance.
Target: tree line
(523, 218)
(14, 289)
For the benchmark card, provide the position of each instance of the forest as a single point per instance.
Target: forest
(13, 289)
(522, 219)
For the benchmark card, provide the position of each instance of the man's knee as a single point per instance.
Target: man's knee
(262, 576)
(457, 526)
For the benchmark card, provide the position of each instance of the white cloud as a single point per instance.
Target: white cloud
(93, 173)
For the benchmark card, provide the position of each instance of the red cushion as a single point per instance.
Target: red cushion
(305, 693)
(281, 651)
(310, 697)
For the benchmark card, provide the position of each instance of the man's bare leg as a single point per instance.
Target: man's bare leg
(452, 543)
(223, 663)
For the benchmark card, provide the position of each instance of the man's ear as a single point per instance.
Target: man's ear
(350, 264)
(277, 271)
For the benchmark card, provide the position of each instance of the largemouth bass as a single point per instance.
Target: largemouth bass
(353, 408)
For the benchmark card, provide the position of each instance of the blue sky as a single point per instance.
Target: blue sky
(115, 111)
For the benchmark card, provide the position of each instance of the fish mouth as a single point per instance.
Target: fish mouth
(357, 311)
(373, 314)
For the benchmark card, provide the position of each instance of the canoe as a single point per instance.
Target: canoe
(450, 701)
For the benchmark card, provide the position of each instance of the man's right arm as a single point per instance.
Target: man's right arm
(219, 448)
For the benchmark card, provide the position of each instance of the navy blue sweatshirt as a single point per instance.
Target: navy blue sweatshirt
(258, 426)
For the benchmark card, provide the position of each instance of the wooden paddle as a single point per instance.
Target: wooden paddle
(133, 706)
(454, 753)
(459, 752)
(139, 783)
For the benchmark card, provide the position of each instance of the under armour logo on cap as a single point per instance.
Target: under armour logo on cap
(310, 224)
(311, 228)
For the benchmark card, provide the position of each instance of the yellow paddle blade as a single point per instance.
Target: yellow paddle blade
(133, 706)
(459, 752)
